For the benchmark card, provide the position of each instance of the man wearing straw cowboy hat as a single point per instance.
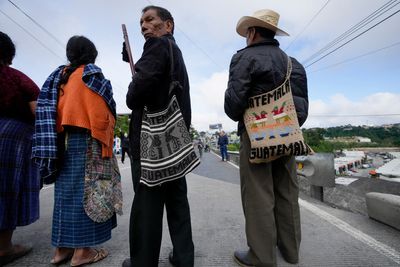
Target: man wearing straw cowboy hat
(269, 190)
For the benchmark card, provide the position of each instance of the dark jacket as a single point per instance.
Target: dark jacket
(150, 85)
(260, 68)
(125, 142)
(223, 140)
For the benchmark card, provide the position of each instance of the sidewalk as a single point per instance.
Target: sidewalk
(331, 237)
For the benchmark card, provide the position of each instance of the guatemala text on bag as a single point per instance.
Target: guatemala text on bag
(166, 147)
(272, 125)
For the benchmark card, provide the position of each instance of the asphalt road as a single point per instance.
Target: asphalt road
(330, 237)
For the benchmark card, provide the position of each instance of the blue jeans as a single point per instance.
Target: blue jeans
(224, 152)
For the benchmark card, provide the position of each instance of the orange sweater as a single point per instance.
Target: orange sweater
(80, 106)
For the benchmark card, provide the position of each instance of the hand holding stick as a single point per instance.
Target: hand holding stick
(128, 49)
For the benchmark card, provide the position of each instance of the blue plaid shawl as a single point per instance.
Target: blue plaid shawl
(44, 143)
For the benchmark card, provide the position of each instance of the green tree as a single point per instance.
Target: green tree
(121, 125)
(313, 137)
(193, 133)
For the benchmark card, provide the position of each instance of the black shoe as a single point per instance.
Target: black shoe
(15, 254)
(127, 263)
(242, 258)
(293, 259)
(171, 259)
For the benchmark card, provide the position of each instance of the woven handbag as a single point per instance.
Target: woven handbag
(272, 125)
(166, 148)
(102, 196)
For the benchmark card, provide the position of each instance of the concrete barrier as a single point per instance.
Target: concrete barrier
(234, 157)
(384, 208)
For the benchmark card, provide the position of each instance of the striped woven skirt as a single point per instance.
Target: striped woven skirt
(71, 226)
(19, 179)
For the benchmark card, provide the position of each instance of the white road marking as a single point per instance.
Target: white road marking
(233, 164)
(347, 228)
(342, 225)
(357, 234)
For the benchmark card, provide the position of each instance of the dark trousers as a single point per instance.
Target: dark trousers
(123, 151)
(146, 221)
(224, 152)
(270, 203)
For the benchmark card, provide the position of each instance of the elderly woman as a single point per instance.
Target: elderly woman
(19, 182)
(73, 144)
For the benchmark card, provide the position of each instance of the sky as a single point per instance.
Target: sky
(357, 84)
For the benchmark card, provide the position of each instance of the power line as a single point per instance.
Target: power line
(352, 115)
(62, 45)
(383, 9)
(194, 43)
(120, 91)
(357, 57)
(308, 24)
(352, 39)
(350, 31)
(198, 47)
(30, 34)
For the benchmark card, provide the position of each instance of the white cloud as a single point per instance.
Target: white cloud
(364, 111)
(206, 35)
(335, 110)
(207, 99)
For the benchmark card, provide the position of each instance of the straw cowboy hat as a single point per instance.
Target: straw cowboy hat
(264, 18)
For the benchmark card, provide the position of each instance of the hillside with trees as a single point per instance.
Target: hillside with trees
(325, 139)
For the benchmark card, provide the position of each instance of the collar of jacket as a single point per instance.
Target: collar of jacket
(272, 42)
(169, 36)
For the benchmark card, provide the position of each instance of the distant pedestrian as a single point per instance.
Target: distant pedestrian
(223, 143)
(19, 179)
(76, 110)
(125, 147)
(207, 148)
(269, 190)
(200, 148)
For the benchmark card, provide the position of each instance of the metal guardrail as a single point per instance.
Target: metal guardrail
(319, 169)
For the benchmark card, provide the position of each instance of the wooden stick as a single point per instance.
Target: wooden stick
(128, 48)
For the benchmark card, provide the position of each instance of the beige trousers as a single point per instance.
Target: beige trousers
(270, 205)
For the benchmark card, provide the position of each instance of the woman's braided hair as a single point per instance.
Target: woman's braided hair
(80, 51)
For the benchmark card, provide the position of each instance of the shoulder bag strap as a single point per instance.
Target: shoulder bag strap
(288, 72)
(171, 72)
(289, 69)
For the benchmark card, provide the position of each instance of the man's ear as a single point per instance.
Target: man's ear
(252, 33)
(169, 26)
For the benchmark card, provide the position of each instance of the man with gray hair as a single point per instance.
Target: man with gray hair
(150, 87)
(269, 190)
